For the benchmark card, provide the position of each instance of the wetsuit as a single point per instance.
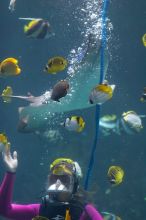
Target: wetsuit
(27, 212)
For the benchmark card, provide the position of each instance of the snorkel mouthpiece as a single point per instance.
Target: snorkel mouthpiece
(58, 186)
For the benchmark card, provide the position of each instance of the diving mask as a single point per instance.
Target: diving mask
(60, 187)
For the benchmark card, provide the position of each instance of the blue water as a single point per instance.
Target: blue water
(126, 70)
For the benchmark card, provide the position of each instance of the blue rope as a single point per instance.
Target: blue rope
(97, 110)
(103, 39)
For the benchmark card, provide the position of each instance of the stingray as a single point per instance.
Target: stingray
(39, 116)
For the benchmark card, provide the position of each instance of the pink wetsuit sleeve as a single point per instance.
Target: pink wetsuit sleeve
(14, 211)
(91, 212)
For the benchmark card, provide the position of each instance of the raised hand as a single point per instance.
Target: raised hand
(10, 161)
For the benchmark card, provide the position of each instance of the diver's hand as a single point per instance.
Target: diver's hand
(10, 161)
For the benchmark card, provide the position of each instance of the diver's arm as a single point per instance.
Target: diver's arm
(90, 212)
(7, 209)
(14, 211)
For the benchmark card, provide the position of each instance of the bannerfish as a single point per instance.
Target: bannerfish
(37, 28)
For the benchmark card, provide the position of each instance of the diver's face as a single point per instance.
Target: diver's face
(59, 188)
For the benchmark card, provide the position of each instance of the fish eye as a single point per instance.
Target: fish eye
(78, 119)
(50, 64)
(91, 102)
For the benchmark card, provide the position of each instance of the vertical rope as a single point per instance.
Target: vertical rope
(97, 110)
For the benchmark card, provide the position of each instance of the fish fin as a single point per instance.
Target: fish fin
(12, 60)
(62, 124)
(29, 19)
(25, 28)
(20, 109)
(18, 71)
(79, 129)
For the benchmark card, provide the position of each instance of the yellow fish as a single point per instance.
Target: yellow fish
(56, 64)
(3, 138)
(4, 144)
(39, 218)
(101, 93)
(144, 40)
(6, 94)
(74, 123)
(37, 28)
(9, 67)
(115, 175)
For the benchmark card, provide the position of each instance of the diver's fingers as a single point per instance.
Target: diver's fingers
(7, 149)
(15, 155)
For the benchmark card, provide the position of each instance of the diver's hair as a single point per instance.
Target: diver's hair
(83, 196)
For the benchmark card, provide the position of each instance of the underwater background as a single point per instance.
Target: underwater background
(126, 69)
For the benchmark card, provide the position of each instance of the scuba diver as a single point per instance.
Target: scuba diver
(129, 123)
(62, 200)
